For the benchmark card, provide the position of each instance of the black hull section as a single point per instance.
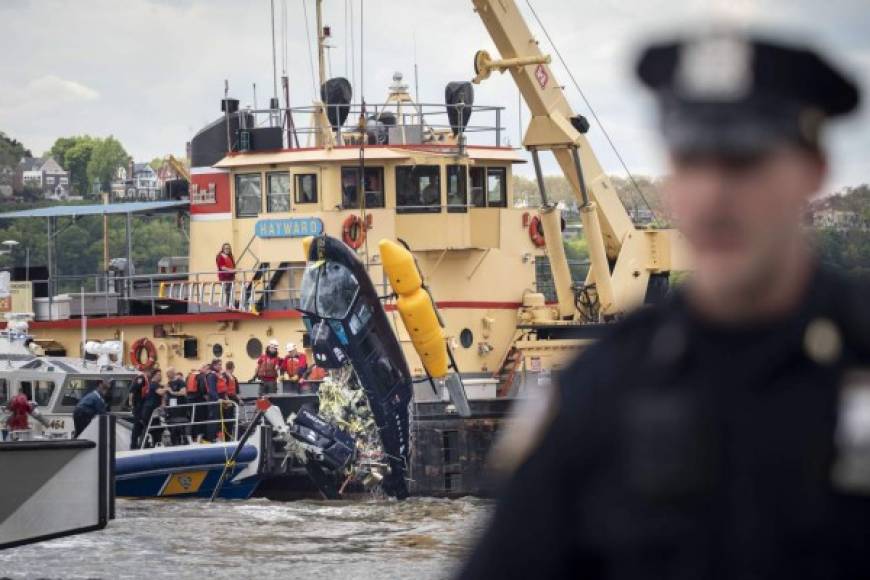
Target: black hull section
(348, 324)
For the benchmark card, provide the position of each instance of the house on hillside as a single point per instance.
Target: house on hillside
(44, 175)
(136, 181)
(7, 180)
(837, 219)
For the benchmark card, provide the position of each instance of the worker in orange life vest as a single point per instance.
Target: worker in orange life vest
(294, 366)
(269, 367)
(315, 376)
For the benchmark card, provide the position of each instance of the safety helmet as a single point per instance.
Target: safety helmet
(291, 346)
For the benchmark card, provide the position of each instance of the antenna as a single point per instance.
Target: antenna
(416, 83)
(274, 62)
(255, 96)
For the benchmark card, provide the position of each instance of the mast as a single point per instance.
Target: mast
(321, 44)
(274, 60)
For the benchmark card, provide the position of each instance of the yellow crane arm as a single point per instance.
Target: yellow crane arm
(612, 238)
(178, 167)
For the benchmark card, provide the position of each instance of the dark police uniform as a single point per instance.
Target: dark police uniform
(684, 449)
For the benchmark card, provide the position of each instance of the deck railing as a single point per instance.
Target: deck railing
(484, 126)
(224, 419)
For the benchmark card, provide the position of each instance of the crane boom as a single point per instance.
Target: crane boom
(621, 256)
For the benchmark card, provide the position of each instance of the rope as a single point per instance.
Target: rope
(589, 106)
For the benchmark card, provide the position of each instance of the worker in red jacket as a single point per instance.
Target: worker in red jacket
(20, 407)
(226, 269)
(269, 368)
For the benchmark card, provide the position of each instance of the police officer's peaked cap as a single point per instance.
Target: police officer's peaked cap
(728, 92)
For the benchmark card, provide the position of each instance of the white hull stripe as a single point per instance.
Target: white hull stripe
(210, 217)
(206, 170)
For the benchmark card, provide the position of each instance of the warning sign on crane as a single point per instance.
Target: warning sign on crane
(542, 76)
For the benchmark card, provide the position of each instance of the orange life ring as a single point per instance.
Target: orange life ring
(353, 231)
(536, 232)
(150, 354)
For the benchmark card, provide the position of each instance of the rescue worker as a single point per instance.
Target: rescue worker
(152, 399)
(226, 266)
(195, 393)
(20, 408)
(269, 367)
(232, 382)
(92, 404)
(212, 377)
(313, 378)
(176, 394)
(229, 384)
(724, 433)
(294, 366)
(134, 402)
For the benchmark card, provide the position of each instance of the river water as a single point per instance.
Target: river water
(421, 538)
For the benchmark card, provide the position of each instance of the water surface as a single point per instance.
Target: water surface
(421, 538)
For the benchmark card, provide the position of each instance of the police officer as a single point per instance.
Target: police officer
(92, 404)
(724, 433)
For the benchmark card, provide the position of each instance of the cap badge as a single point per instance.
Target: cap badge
(823, 343)
(717, 68)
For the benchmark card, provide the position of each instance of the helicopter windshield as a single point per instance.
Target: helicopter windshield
(328, 290)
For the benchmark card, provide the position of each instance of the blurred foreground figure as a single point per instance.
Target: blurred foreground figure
(726, 432)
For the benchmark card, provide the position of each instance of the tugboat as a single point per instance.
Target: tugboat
(438, 177)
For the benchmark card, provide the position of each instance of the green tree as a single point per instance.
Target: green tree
(11, 151)
(107, 156)
(76, 160)
(61, 146)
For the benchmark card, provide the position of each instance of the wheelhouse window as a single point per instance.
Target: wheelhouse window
(249, 189)
(496, 187)
(488, 186)
(306, 188)
(373, 184)
(457, 188)
(278, 197)
(44, 389)
(418, 189)
(478, 179)
(78, 387)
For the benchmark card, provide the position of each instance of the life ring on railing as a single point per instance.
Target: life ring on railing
(353, 231)
(536, 232)
(143, 344)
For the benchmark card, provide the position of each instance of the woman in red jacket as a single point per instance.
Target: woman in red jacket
(226, 266)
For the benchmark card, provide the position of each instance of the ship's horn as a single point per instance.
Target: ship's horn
(459, 97)
(336, 94)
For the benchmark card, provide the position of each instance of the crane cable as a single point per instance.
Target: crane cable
(589, 106)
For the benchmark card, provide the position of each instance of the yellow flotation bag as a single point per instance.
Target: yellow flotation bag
(416, 307)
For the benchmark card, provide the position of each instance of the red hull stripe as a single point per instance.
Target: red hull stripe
(114, 321)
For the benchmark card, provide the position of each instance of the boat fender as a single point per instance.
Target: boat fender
(353, 231)
(150, 354)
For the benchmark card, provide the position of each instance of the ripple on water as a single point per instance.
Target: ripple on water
(312, 539)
